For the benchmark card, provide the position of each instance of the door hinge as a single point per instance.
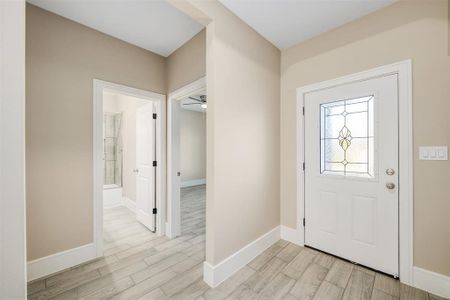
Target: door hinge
(303, 166)
(304, 222)
(155, 163)
(303, 110)
(154, 116)
(155, 211)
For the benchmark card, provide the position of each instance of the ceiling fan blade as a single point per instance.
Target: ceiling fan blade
(195, 99)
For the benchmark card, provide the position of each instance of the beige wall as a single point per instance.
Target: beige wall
(63, 58)
(192, 145)
(243, 72)
(127, 106)
(407, 29)
(187, 63)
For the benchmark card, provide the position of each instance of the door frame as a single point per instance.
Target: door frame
(13, 254)
(99, 86)
(173, 226)
(403, 70)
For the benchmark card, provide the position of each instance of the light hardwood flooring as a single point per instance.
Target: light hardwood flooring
(140, 265)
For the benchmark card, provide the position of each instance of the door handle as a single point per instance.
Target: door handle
(178, 173)
(136, 170)
(390, 172)
(390, 185)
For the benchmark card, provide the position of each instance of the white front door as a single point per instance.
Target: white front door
(351, 172)
(145, 171)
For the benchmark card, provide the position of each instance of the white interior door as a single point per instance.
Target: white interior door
(351, 172)
(145, 171)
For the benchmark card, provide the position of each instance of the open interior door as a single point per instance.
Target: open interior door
(145, 166)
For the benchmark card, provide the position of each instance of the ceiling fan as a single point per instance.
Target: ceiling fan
(199, 101)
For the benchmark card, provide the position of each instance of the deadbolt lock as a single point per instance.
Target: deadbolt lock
(390, 172)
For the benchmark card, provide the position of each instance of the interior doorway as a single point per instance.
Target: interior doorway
(128, 181)
(186, 154)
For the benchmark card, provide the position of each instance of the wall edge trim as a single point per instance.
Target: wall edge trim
(214, 275)
(291, 235)
(431, 282)
(128, 203)
(60, 261)
(193, 182)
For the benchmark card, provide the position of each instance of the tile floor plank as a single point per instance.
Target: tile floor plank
(359, 286)
(339, 273)
(308, 284)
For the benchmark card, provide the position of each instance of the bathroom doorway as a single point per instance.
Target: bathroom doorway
(128, 165)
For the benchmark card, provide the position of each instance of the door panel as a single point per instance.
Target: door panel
(351, 138)
(145, 155)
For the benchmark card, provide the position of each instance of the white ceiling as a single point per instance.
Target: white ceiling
(288, 22)
(154, 25)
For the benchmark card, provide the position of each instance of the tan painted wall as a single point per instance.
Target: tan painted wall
(187, 63)
(243, 72)
(63, 58)
(407, 29)
(127, 106)
(192, 145)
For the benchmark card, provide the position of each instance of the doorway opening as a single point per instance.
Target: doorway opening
(186, 184)
(128, 181)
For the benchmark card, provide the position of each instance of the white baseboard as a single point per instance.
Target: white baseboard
(429, 281)
(45, 266)
(193, 182)
(168, 230)
(291, 235)
(130, 204)
(214, 275)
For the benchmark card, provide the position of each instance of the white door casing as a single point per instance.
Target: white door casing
(145, 170)
(351, 144)
(173, 228)
(99, 87)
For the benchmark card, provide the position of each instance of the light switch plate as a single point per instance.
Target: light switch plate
(433, 153)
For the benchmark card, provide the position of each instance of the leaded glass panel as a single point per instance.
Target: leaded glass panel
(347, 137)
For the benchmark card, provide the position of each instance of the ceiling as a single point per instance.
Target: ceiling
(191, 107)
(288, 22)
(154, 25)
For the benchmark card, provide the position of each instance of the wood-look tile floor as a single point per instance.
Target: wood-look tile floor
(141, 265)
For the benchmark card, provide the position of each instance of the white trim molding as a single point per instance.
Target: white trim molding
(48, 265)
(173, 153)
(215, 275)
(194, 182)
(434, 283)
(403, 70)
(12, 151)
(128, 203)
(291, 235)
(99, 86)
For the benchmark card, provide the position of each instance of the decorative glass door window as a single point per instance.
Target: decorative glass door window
(347, 137)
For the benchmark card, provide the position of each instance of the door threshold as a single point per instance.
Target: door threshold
(354, 263)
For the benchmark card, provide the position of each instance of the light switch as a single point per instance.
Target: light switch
(433, 153)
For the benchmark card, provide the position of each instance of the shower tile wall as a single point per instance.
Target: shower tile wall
(112, 149)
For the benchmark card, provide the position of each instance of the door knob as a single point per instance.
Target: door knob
(390, 185)
(136, 170)
(390, 171)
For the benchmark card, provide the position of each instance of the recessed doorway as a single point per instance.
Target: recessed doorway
(128, 163)
(186, 160)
